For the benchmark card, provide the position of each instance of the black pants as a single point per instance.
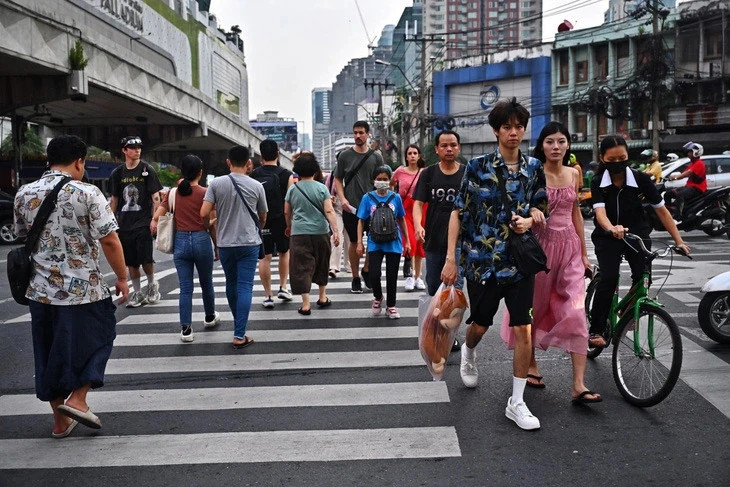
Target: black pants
(683, 195)
(392, 261)
(609, 252)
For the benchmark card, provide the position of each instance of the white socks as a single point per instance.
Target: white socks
(518, 389)
(136, 286)
(150, 279)
(470, 353)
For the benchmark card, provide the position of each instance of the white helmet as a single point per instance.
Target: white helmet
(671, 157)
(696, 149)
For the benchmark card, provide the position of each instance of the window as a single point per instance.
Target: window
(581, 123)
(564, 67)
(492, 14)
(581, 71)
(600, 54)
(472, 15)
(721, 166)
(513, 5)
(561, 114)
(622, 59)
(713, 42)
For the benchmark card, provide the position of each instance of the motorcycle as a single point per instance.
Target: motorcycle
(714, 311)
(710, 212)
(585, 202)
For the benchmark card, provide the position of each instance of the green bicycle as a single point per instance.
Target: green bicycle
(647, 346)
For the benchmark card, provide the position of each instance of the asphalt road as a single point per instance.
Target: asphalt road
(340, 398)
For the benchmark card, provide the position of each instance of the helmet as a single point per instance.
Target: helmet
(671, 157)
(572, 158)
(649, 155)
(696, 149)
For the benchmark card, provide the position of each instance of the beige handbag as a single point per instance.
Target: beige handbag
(166, 227)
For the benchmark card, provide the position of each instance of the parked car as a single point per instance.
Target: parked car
(7, 227)
(718, 171)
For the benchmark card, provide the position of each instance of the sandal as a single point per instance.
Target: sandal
(582, 399)
(324, 304)
(539, 384)
(596, 340)
(245, 343)
(305, 312)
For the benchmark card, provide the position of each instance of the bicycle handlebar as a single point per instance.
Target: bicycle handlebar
(656, 253)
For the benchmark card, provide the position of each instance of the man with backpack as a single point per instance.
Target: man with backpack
(276, 180)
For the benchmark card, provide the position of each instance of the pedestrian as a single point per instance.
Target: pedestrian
(135, 196)
(240, 205)
(384, 210)
(337, 250)
(559, 318)
(309, 217)
(481, 223)
(352, 180)
(195, 244)
(276, 180)
(618, 194)
(72, 313)
(405, 179)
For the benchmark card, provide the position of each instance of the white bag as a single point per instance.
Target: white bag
(166, 227)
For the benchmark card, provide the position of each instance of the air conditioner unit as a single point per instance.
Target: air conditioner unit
(578, 137)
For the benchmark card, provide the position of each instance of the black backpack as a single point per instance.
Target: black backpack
(383, 227)
(272, 187)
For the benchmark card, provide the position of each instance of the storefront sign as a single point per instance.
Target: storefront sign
(129, 12)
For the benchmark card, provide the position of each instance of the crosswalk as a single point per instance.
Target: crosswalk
(332, 361)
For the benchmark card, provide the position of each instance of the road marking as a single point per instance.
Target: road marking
(707, 374)
(222, 398)
(247, 362)
(683, 297)
(269, 336)
(244, 447)
(336, 299)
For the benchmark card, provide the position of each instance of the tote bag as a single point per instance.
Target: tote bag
(166, 227)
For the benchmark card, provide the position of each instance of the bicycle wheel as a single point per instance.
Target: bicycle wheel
(645, 378)
(590, 292)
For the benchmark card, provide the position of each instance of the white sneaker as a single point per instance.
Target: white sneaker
(420, 285)
(520, 414)
(153, 293)
(284, 294)
(468, 370)
(215, 322)
(392, 313)
(410, 283)
(268, 302)
(136, 299)
(186, 334)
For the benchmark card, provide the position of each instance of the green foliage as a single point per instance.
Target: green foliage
(76, 57)
(429, 154)
(168, 177)
(32, 144)
(97, 152)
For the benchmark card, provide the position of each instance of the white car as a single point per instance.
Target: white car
(718, 171)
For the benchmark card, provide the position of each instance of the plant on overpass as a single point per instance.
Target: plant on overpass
(76, 57)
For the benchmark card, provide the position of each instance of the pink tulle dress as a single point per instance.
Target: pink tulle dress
(559, 318)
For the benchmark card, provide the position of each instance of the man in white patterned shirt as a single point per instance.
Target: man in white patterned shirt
(72, 314)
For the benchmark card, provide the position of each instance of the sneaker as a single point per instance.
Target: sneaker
(456, 346)
(376, 308)
(268, 302)
(410, 283)
(392, 313)
(468, 369)
(284, 294)
(420, 285)
(136, 299)
(186, 334)
(366, 278)
(333, 274)
(356, 286)
(520, 414)
(153, 293)
(214, 322)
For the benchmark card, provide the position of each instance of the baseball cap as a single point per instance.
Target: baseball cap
(132, 141)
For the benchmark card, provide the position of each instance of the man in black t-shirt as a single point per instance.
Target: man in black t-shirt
(276, 180)
(135, 191)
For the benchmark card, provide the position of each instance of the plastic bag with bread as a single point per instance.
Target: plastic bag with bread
(438, 326)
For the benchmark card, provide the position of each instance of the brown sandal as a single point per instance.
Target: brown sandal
(245, 343)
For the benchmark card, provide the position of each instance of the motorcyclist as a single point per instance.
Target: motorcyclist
(696, 174)
(573, 162)
(650, 158)
(671, 157)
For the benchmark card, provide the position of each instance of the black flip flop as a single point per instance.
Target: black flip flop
(324, 304)
(582, 399)
(305, 312)
(538, 378)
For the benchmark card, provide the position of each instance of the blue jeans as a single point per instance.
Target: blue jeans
(239, 266)
(434, 264)
(194, 248)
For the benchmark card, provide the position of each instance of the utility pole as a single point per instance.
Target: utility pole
(381, 121)
(423, 88)
(654, 97)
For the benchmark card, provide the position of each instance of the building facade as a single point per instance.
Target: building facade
(279, 129)
(320, 119)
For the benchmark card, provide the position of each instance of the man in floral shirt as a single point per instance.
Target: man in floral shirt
(483, 224)
(72, 314)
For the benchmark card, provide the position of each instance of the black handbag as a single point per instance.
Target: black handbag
(525, 249)
(20, 260)
(407, 267)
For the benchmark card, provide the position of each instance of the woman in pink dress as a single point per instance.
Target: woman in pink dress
(406, 178)
(558, 305)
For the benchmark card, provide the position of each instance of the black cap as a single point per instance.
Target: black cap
(132, 141)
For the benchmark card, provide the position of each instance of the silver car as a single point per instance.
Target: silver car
(718, 171)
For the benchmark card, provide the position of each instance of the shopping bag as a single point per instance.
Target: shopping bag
(166, 227)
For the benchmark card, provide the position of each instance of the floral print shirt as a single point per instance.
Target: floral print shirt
(66, 260)
(484, 221)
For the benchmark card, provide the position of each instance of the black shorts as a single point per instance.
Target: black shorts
(350, 221)
(137, 246)
(274, 239)
(484, 301)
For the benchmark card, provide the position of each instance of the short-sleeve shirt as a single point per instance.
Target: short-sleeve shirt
(362, 182)
(306, 218)
(698, 178)
(655, 169)
(367, 206)
(406, 182)
(439, 191)
(133, 189)
(66, 267)
(236, 227)
(187, 209)
(485, 220)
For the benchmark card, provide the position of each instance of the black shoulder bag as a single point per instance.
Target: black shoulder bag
(254, 217)
(20, 260)
(351, 174)
(524, 248)
(317, 207)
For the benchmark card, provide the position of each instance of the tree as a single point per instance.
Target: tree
(32, 144)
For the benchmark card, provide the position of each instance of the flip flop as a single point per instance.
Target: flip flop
(538, 378)
(324, 304)
(66, 432)
(246, 342)
(594, 337)
(305, 312)
(87, 418)
(582, 399)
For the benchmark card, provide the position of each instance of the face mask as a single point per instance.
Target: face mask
(382, 184)
(617, 167)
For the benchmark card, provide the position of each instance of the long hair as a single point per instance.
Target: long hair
(190, 167)
(420, 163)
(549, 129)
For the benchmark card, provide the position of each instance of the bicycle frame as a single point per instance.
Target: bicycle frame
(637, 296)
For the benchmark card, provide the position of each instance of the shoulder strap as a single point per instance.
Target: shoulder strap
(308, 199)
(413, 181)
(351, 174)
(254, 216)
(392, 196)
(48, 205)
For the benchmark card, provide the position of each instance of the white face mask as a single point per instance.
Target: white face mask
(382, 184)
